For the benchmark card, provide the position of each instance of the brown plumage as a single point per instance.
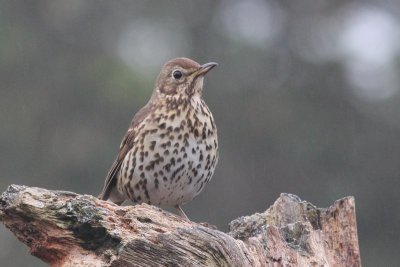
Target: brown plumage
(171, 149)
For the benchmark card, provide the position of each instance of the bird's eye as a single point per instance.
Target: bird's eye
(177, 74)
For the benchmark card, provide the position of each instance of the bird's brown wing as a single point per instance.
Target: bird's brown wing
(126, 145)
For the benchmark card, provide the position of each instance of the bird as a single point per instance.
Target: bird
(170, 150)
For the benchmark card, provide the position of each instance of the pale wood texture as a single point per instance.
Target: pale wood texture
(67, 229)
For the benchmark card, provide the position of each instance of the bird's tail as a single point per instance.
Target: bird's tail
(110, 191)
(113, 195)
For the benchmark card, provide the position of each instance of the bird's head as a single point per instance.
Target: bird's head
(181, 78)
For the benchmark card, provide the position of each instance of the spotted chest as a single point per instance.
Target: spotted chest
(173, 156)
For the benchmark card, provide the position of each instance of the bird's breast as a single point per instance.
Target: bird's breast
(175, 153)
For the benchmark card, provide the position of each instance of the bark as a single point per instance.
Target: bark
(67, 229)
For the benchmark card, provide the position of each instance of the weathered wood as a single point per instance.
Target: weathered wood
(67, 229)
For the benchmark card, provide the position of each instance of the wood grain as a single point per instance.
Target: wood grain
(67, 229)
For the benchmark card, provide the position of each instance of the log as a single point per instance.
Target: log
(67, 229)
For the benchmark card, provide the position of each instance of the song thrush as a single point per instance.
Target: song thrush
(170, 150)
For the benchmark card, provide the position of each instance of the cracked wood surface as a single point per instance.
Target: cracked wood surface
(67, 229)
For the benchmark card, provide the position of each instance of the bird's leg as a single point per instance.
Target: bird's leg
(181, 213)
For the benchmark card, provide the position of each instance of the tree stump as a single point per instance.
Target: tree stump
(67, 229)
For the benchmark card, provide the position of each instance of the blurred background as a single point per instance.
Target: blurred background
(306, 98)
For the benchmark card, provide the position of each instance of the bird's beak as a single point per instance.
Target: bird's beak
(205, 68)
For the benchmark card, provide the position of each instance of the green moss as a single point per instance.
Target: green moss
(84, 220)
(297, 237)
(313, 215)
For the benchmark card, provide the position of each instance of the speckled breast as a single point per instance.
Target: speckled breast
(174, 155)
